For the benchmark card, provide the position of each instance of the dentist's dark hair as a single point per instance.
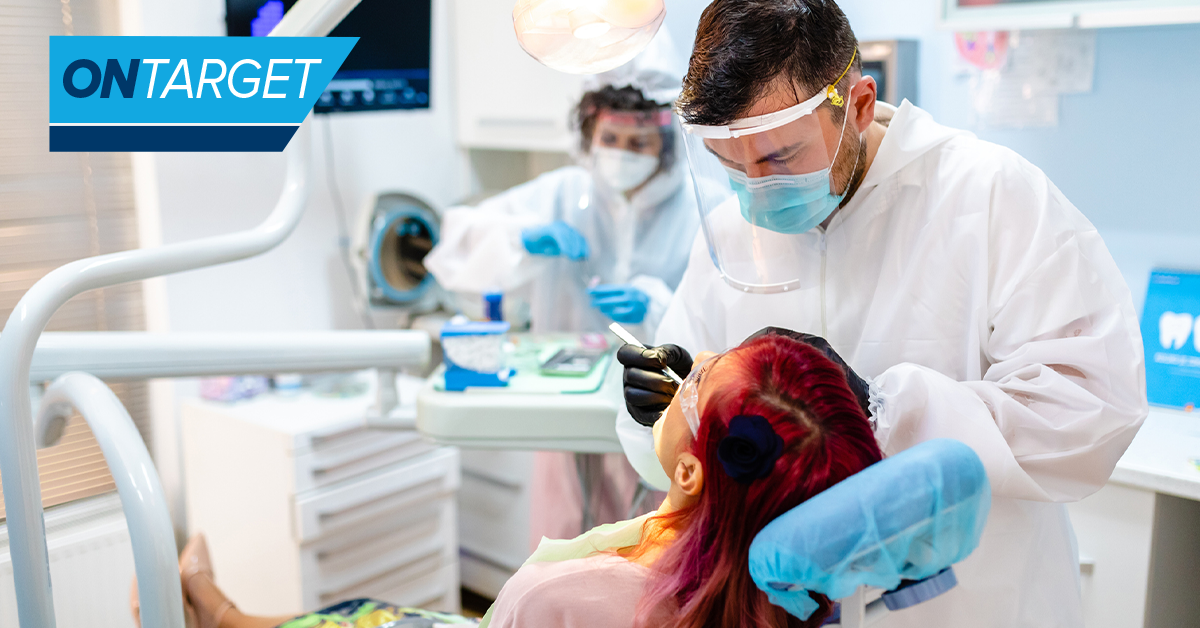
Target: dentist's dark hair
(744, 45)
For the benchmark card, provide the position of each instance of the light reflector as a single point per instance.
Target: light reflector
(586, 36)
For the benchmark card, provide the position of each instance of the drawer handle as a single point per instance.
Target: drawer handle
(422, 566)
(406, 494)
(359, 459)
(495, 481)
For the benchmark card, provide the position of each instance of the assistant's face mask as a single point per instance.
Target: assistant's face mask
(623, 170)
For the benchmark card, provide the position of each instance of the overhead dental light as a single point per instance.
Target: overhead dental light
(586, 36)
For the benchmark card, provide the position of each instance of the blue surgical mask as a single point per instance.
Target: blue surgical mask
(785, 203)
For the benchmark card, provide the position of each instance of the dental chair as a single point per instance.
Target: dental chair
(897, 526)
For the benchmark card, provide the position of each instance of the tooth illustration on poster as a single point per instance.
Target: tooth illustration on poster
(1174, 329)
(1170, 318)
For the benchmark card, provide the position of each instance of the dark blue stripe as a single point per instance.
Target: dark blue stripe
(161, 139)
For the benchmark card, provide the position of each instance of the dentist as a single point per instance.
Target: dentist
(966, 295)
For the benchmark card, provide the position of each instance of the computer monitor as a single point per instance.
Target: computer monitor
(893, 65)
(388, 68)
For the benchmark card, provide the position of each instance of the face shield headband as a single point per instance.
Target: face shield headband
(763, 183)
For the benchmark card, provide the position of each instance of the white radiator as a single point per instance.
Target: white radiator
(91, 565)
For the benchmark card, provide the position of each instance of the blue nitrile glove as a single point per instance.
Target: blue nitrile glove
(554, 239)
(621, 302)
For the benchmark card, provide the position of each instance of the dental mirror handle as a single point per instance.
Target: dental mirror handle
(629, 339)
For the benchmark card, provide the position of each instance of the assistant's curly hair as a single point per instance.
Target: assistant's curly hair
(626, 99)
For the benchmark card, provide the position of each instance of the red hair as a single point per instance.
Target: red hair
(703, 576)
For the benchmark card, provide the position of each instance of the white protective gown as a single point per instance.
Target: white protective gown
(983, 307)
(643, 241)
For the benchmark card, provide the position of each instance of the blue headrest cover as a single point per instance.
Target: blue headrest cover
(906, 517)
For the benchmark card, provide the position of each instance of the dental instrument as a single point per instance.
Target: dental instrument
(629, 339)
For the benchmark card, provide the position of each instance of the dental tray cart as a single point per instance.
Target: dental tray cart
(534, 411)
(499, 429)
(304, 505)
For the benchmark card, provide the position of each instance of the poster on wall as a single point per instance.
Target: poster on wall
(1171, 335)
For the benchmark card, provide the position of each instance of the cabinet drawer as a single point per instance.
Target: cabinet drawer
(337, 457)
(427, 584)
(416, 482)
(514, 468)
(494, 520)
(364, 553)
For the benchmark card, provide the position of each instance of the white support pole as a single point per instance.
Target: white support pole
(313, 18)
(18, 459)
(854, 609)
(160, 598)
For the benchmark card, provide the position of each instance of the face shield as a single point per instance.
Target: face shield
(762, 183)
(628, 147)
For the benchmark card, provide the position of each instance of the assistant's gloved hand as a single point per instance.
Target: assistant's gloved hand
(647, 390)
(621, 302)
(554, 239)
(858, 386)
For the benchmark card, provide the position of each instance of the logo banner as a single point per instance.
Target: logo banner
(1171, 335)
(236, 94)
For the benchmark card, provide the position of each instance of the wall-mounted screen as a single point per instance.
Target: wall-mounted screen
(388, 68)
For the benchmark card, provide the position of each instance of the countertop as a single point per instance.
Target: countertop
(1160, 457)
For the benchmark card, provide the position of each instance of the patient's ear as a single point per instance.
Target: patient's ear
(689, 474)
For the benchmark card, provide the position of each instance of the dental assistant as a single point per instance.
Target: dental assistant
(967, 296)
(606, 240)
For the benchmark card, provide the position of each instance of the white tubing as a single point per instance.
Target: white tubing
(313, 18)
(159, 592)
(18, 461)
(141, 355)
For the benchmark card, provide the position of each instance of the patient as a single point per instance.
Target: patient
(751, 434)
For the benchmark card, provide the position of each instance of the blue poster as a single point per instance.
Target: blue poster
(1171, 335)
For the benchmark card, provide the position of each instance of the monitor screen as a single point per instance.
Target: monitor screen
(878, 71)
(388, 68)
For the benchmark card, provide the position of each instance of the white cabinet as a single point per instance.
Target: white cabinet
(494, 506)
(304, 506)
(505, 99)
(1138, 543)
(1114, 528)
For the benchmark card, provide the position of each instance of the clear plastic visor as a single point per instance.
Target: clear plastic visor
(636, 132)
(762, 184)
(689, 393)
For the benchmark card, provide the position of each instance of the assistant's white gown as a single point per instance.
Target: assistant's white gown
(644, 240)
(984, 307)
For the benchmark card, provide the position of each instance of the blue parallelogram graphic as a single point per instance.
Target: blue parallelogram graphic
(193, 94)
(122, 138)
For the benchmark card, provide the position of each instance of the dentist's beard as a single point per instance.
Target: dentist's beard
(851, 168)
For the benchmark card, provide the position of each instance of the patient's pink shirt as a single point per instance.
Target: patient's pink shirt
(600, 591)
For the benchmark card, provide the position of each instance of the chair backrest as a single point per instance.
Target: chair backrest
(907, 517)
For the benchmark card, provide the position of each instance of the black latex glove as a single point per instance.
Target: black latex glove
(858, 385)
(647, 390)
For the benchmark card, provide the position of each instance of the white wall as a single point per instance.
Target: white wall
(301, 285)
